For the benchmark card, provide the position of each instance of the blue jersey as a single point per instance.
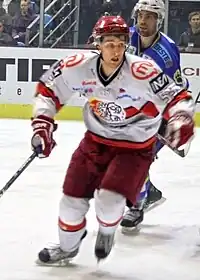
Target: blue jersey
(163, 51)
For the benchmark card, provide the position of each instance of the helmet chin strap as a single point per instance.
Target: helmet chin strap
(101, 57)
(100, 54)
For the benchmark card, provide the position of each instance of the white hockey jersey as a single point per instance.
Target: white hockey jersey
(124, 110)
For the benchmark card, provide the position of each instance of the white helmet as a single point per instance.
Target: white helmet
(154, 6)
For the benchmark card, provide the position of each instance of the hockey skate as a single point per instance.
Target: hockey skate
(132, 219)
(135, 215)
(153, 199)
(55, 255)
(103, 246)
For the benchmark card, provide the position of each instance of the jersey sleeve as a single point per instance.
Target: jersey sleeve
(53, 91)
(174, 71)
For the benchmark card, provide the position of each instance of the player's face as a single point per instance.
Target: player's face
(147, 23)
(112, 49)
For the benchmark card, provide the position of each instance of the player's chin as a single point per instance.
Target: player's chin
(144, 33)
(115, 62)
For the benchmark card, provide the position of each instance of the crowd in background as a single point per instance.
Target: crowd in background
(16, 16)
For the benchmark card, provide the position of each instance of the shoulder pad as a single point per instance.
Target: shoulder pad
(78, 59)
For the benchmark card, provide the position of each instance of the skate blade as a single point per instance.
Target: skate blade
(136, 230)
(61, 263)
(131, 230)
(155, 205)
(99, 261)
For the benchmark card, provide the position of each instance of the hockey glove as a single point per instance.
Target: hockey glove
(42, 140)
(180, 129)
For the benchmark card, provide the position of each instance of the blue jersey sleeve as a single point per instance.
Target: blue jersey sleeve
(174, 70)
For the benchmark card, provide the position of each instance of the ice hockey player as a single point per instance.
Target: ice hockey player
(148, 42)
(122, 115)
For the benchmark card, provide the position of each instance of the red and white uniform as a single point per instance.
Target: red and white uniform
(127, 111)
(123, 114)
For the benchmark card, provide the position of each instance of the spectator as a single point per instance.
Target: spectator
(7, 20)
(191, 37)
(5, 38)
(108, 7)
(97, 8)
(13, 7)
(21, 21)
(2, 10)
(33, 7)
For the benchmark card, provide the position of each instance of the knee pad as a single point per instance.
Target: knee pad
(72, 222)
(109, 207)
(72, 211)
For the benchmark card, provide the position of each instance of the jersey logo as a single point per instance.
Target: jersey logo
(164, 54)
(143, 70)
(131, 49)
(89, 82)
(69, 61)
(107, 110)
(145, 56)
(128, 96)
(73, 60)
(159, 83)
(178, 78)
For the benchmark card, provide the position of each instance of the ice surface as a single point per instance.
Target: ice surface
(168, 246)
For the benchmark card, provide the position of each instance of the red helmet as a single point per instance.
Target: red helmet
(110, 25)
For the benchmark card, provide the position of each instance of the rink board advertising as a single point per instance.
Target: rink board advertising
(20, 69)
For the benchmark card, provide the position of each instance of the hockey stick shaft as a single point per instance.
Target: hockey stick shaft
(18, 173)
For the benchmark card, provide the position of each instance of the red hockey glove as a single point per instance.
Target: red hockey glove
(42, 140)
(180, 129)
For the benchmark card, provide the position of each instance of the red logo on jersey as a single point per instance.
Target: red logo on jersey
(89, 82)
(73, 60)
(143, 70)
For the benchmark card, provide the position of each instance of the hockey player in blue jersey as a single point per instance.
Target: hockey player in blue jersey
(148, 42)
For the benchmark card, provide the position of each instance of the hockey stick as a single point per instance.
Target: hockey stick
(182, 152)
(18, 173)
